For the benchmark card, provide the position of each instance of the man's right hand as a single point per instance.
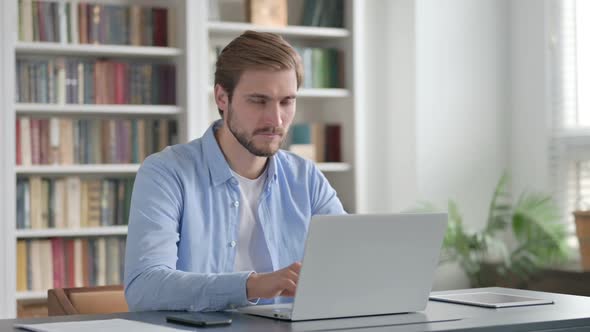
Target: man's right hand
(269, 285)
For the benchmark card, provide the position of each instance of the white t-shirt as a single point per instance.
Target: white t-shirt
(251, 250)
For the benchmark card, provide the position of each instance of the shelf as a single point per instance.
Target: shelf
(323, 93)
(46, 48)
(334, 167)
(82, 109)
(77, 169)
(316, 93)
(232, 28)
(65, 232)
(31, 295)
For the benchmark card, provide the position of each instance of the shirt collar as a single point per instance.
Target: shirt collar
(218, 167)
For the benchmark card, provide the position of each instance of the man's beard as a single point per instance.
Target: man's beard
(247, 140)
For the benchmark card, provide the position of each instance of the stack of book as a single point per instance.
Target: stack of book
(90, 23)
(323, 67)
(71, 202)
(316, 141)
(323, 13)
(75, 81)
(66, 262)
(42, 141)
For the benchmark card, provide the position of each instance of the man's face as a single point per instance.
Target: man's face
(262, 109)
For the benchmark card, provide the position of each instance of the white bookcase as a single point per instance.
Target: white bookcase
(194, 110)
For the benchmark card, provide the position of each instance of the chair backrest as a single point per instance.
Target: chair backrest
(86, 300)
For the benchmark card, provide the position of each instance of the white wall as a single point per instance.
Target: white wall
(461, 104)
(530, 125)
(439, 90)
(7, 181)
(388, 152)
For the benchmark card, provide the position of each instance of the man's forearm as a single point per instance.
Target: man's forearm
(161, 288)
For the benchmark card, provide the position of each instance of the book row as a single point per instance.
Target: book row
(74, 81)
(72, 202)
(68, 262)
(316, 141)
(91, 23)
(66, 141)
(323, 67)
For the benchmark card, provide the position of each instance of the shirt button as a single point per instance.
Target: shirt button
(232, 244)
(236, 203)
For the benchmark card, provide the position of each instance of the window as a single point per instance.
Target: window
(570, 63)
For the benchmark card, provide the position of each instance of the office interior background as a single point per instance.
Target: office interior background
(406, 105)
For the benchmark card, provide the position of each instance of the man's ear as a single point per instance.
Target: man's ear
(221, 97)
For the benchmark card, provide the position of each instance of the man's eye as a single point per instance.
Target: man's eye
(288, 101)
(258, 101)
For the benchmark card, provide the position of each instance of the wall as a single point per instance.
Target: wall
(439, 98)
(7, 182)
(388, 182)
(530, 114)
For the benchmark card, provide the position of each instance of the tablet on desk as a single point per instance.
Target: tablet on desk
(490, 299)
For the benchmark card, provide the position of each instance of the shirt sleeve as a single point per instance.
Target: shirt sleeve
(324, 197)
(152, 281)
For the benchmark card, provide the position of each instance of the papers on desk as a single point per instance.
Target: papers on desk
(111, 325)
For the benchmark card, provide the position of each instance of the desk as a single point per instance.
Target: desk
(569, 313)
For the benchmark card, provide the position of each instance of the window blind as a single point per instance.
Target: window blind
(570, 70)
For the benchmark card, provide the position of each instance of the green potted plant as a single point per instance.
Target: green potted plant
(533, 220)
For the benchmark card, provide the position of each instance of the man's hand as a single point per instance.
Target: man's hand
(279, 283)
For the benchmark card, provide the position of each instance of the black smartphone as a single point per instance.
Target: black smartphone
(199, 319)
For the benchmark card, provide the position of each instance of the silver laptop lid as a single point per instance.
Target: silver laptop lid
(356, 265)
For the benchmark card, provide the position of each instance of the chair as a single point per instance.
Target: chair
(86, 300)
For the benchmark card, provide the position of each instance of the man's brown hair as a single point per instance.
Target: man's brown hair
(255, 50)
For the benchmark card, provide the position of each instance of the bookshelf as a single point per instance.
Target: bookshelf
(194, 109)
(111, 169)
(77, 232)
(84, 109)
(48, 48)
(232, 28)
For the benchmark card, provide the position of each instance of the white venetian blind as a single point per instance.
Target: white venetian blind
(571, 104)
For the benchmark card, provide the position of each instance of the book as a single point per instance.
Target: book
(59, 261)
(267, 12)
(60, 204)
(36, 202)
(35, 266)
(78, 264)
(333, 143)
(73, 206)
(94, 203)
(21, 266)
(100, 261)
(25, 141)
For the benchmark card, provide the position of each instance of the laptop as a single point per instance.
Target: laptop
(363, 265)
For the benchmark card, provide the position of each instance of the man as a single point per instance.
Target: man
(221, 221)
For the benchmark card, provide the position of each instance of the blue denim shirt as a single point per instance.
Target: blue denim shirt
(184, 221)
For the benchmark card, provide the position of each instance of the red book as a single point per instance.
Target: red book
(35, 141)
(99, 82)
(126, 97)
(44, 141)
(160, 26)
(57, 250)
(83, 23)
(333, 145)
(18, 152)
(119, 83)
(41, 17)
(69, 263)
(109, 82)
